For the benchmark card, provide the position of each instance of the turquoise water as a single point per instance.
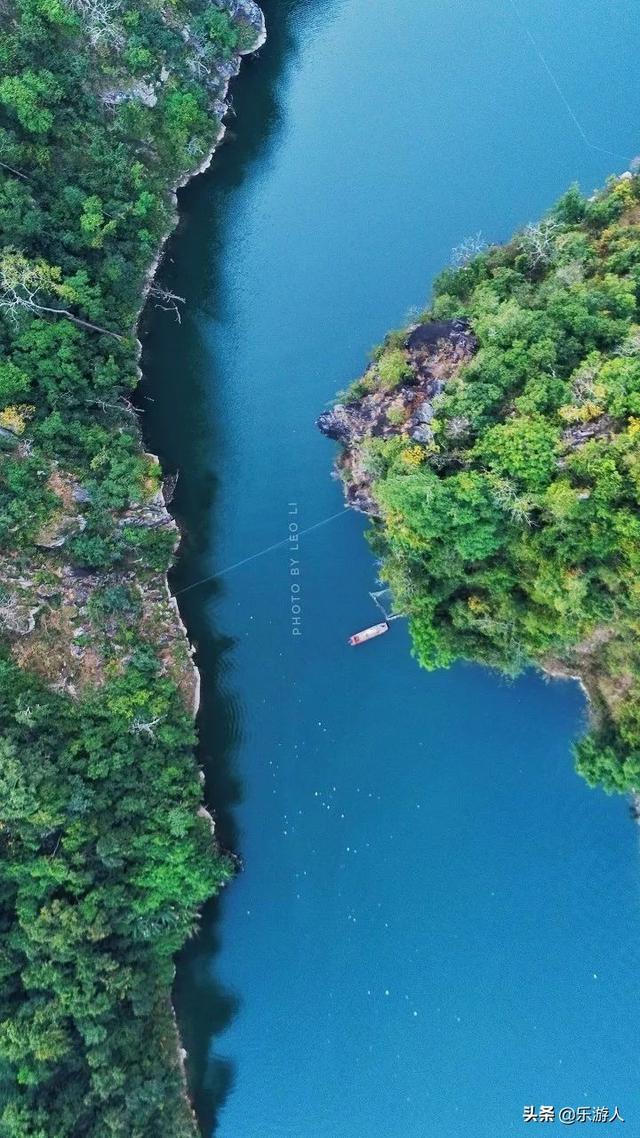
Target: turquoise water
(437, 923)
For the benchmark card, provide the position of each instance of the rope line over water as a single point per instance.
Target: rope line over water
(587, 141)
(261, 552)
(570, 111)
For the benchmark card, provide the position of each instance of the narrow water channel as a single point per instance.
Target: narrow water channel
(437, 922)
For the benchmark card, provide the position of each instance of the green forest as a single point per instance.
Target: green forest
(511, 536)
(106, 852)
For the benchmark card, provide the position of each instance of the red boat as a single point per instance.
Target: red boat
(368, 633)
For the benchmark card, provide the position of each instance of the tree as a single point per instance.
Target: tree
(468, 249)
(99, 17)
(28, 95)
(524, 449)
(24, 285)
(538, 241)
(515, 537)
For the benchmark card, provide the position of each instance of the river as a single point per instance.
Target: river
(437, 923)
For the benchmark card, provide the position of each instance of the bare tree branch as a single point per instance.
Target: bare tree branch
(538, 241)
(23, 282)
(18, 173)
(468, 249)
(99, 18)
(145, 727)
(171, 300)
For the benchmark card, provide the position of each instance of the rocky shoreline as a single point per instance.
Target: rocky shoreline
(430, 354)
(86, 612)
(400, 403)
(252, 14)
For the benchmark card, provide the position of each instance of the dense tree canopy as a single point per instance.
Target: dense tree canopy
(105, 853)
(512, 537)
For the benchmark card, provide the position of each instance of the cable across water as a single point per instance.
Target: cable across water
(261, 553)
(587, 141)
(574, 118)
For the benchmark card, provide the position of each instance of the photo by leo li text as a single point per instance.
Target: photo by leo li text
(294, 571)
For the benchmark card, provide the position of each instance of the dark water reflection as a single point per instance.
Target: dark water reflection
(182, 428)
(436, 917)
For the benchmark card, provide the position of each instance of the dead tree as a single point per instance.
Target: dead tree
(99, 19)
(145, 727)
(168, 301)
(468, 249)
(25, 284)
(538, 241)
(12, 170)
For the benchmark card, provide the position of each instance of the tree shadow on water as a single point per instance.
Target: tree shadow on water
(182, 424)
(205, 1011)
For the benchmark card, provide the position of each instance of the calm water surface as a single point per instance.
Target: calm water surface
(438, 923)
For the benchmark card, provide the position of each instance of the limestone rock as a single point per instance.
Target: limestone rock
(422, 434)
(435, 352)
(58, 531)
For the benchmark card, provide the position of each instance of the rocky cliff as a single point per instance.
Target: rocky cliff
(396, 401)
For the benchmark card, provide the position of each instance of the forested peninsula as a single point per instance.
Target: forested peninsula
(107, 852)
(495, 443)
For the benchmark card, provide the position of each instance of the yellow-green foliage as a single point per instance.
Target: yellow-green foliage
(519, 541)
(104, 859)
(393, 367)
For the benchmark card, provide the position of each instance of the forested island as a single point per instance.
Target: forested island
(107, 852)
(495, 443)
